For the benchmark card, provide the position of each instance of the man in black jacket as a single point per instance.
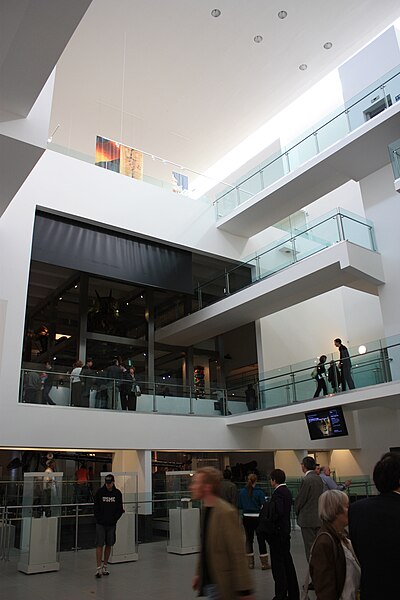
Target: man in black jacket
(374, 527)
(283, 570)
(345, 365)
(107, 510)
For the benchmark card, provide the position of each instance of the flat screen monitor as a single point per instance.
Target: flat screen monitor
(326, 423)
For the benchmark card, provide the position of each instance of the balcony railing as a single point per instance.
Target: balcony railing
(282, 387)
(334, 128)
(336, 226)
(394, 153)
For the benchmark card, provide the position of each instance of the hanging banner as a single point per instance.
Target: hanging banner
(116, 157)
(180, 183)
(131, 163)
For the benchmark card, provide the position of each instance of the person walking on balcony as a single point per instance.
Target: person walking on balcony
(334, 376)
(320, 377)
(251, 399)
(87, 382)
(107, 510)
(344, 365)
(128, 389)
(48, 379)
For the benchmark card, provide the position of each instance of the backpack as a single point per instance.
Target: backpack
(268, 519)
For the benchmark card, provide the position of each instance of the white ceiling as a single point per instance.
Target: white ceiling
(192, 86)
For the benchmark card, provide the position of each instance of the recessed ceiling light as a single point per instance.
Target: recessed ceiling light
(258, 39)
(215, 12)
(328, 45)
(303, 67)
(282, 14)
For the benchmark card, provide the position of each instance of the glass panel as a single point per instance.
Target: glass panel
(213, 291)
(394, 153)
(302, 152)
(316, 238)
(227, 203)
(242, 276)
(333, 131)
(277, 391)
(357, 232)
(274, 170)
(276, 258)
(171, 399)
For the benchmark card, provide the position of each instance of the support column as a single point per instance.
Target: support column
(139, 461)
(149, 316)
(83, 315)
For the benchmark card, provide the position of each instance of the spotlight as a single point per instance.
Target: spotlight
(215, 12)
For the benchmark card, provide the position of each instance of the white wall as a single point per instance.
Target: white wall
(378, 58)
(34, 129)
(382, 206)
(308, 329)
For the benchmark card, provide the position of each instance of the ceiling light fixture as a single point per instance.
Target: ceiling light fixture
(303, 67)
(282, 14)
(258, 39)
(215, 12)
(328, 45)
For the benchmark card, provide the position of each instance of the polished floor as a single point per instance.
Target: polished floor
(157, 575)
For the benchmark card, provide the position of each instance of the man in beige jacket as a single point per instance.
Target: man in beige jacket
(222, 572)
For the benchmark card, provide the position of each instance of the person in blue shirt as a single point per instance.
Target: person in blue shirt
(251, 500)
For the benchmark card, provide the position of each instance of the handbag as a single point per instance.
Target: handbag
(137, 390)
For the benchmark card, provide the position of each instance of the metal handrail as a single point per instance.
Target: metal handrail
(345, 111)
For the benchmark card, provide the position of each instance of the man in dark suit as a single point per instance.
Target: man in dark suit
(283, 571)
(344, 365)
(306, 503)
(374, 527)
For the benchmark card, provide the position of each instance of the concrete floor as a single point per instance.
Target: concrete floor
(157, 575)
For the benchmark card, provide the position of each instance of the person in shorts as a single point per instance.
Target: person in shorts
(107, 510)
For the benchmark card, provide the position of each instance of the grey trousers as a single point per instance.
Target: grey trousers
(309, 534)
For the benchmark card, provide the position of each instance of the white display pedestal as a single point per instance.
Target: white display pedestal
(184, 531)
(124, 549)
(39, 545)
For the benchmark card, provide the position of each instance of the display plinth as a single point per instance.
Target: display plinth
(124, 549)
(41, 545)
(41, 509)
(184, 529)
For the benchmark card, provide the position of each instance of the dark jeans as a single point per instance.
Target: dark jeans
(250, 525)
(46, 396)
(321, 387)
(32, 396)
(346, 378)
(283, 570)
(128, 400)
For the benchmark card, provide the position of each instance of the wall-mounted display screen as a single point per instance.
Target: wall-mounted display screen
(326, 423)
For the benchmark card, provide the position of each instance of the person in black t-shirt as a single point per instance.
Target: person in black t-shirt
(107, 510)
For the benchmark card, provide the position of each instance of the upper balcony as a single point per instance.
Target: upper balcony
(349, 145)
(336, 250)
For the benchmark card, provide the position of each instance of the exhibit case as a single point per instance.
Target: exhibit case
(184, 514)
(125, 548)
(40, 530)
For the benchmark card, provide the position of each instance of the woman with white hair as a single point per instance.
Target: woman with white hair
(334, 569)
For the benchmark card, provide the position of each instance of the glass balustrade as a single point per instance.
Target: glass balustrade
(363, 107)
(380, 363)
(394, 153)
(336, 226)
